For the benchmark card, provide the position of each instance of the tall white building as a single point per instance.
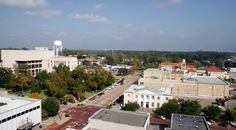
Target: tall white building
(17, 113)
(41, 58)
(147, 97)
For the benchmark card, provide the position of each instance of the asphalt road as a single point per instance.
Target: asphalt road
(111, 95)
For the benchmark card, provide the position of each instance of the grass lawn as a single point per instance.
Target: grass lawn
(89, 94)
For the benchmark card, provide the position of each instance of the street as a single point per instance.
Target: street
(110, 95)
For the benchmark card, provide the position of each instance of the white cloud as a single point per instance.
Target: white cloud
(43, 13)
(91, 18)
(129, 28)
(98, 7)
(30, 3)
(176, 1)
(163, 3)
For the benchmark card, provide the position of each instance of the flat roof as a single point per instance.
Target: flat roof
(137, 88)
(200, 80)
(14, 102)
(188, 122)
(209, 80)
(122, 117)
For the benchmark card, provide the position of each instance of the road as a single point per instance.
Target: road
(111, 95)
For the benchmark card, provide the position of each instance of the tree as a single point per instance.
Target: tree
(36, 95)
(5, 76)
(212, 112)
(131, 106)
(190, 108)
(123, 72)
(172, 106)
(230, 115)
(51, 105)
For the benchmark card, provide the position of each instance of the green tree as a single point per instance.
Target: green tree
(131, 106)
(6, 76)
(172, 106)
(51, 105)
(123, 72)
(212, 112)
(191, 108)
(230, 115)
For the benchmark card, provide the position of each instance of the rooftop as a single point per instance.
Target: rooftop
(13, 102)
(137, 88)
(122, 117)
(78, 118)
(213, 69)
(188, 122)
(210, 80)
(200, 80)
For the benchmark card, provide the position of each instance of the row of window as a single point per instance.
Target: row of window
(18, 114)
(147, 96)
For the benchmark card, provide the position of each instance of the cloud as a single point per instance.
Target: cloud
(163, 3)
(43, 13)
(29, 3)
(98, 7)
(129, 28)
(176, 1)
(91, 18)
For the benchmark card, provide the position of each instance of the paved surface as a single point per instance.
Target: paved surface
(111, 95)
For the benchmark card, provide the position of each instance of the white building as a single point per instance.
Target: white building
(41, 58)
(147, 97)
(17, 113)
(71, 62)
(106, 119)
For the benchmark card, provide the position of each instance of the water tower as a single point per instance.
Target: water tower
(57, 46)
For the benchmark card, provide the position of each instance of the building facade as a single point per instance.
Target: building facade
(147, 97)
(41, 58)
(17, 113)
(200, 86)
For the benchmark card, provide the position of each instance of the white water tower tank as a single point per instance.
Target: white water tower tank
(57, 46)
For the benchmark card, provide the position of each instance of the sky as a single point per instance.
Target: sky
(162, 25)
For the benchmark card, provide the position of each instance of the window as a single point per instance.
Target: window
(14, 116)
(158, 105)
(158, 98)
(4, 120)
(166, 98)
(152, 104)
(136, 96)
(147, 96)
(142, 96)
(9, 118)
(152, 97)
(141, 83)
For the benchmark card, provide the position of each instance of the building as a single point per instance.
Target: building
(193, 87)
(35, 59)
(188, 122)
(157, 73)
(180, 66)
(214, 71)
(71, 62)
(19, 113)
(41, 58)
(106, 119)
(147, 97)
